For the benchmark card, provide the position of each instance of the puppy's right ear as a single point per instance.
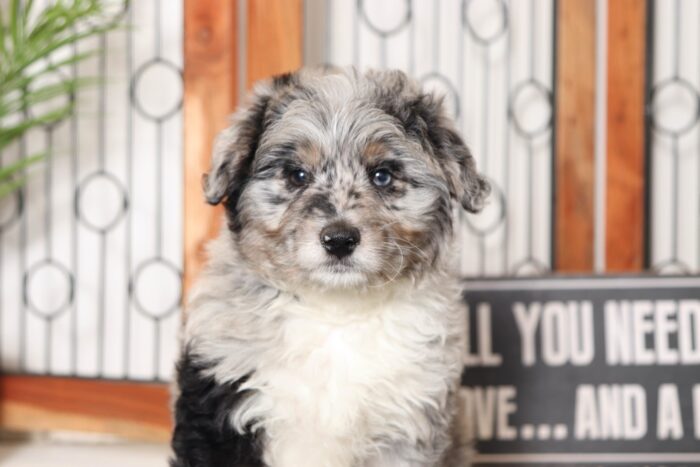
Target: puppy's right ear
(234, 150)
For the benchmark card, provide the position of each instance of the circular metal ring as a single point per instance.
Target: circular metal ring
(546, 95)
(133, 93)
(671, 266)
(683, 84)
(17, 212)
(60, 308)
(538, 266)
(386, 32)
(170, 309)
(484, 231)
(485, 40)
(454, 95)
(80, 190)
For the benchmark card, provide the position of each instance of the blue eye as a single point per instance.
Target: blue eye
(381, 178)
(300, 177)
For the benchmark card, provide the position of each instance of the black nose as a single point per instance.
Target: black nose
(340, 239)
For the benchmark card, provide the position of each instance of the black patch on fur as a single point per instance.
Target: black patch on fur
(393, 191)
(203, 436)
(276, 200)
(287, 150)
(442, 213)
(392, 165)
(328, 169)
(285, 79)
(274, 166)
(320, 202)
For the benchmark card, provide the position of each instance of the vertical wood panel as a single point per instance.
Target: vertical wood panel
(274, 37)
(625, 204)
(575, 136)
(210, 83)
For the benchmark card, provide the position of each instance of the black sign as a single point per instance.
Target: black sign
(584, 371)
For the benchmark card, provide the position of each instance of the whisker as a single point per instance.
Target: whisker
(398, 270)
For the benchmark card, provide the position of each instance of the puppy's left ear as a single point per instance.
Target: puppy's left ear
(470, 188)
(235, 147)
(466, 184)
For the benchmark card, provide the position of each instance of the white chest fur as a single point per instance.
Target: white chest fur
(351, 378)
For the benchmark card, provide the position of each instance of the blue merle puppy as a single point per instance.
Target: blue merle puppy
(326, 329)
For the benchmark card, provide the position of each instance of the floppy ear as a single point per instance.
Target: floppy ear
(234, 151)
(466, 184)
(470, 188)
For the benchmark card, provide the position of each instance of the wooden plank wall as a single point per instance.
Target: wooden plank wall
(274, 38)
(211, 84)
(625, 205)
(575, 136)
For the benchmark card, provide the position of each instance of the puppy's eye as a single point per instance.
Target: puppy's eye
(299, 177)
(381, 178)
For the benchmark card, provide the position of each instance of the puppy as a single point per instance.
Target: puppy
(326, 329)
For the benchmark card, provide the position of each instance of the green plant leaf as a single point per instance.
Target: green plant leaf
(27, 9)
(12, 133)
(21, 82)
(3, 29)
(45, 93)
(45, 50)
(9, 187)
(29, 36)
(9, 181)
(15, 23)
(10, 170)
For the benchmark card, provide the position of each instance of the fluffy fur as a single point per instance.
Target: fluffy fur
(293, 357)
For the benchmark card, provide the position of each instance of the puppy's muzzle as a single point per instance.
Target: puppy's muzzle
(340, 239)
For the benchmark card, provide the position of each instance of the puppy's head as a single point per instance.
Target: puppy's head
(339, 179)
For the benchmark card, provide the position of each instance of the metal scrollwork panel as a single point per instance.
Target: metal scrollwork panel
(91, 248)
(673, 133)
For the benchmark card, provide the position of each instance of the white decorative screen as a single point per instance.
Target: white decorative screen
(91, 249)
(673, 112)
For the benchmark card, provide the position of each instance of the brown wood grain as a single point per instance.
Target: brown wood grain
(274, 37)
(210, 84)
(575, 136)
(132, 410)
(625, 205)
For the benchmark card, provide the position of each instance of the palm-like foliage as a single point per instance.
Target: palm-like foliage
(27, 39)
